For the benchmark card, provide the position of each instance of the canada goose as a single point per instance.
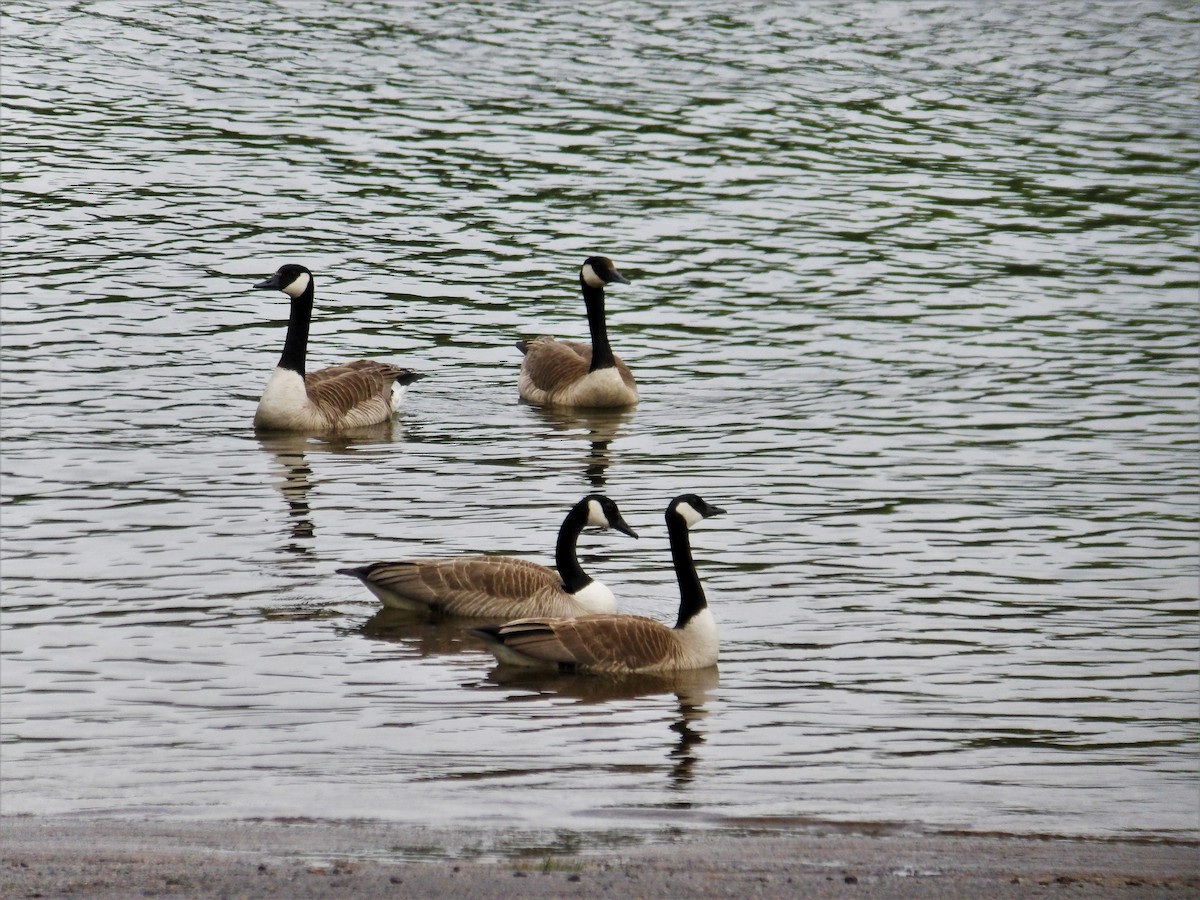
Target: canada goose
(622, 644)
(501, 587)
(351, 395)
(571, 373)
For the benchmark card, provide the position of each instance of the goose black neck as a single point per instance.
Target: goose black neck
(565, 558)
(691, 594)
(602, 355)
(295, 345)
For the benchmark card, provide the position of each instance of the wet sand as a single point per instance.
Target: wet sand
(48, 857)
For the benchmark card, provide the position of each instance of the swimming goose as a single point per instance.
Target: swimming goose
(351, 395)
(570, 373)
(622, 644)
(501, 587)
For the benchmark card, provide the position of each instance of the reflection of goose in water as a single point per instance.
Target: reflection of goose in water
(692, 690)
(599, 427)
(693, 685)
(429, 638)
(622, 644)
(683, 755)
(294, 483)
(291, 452)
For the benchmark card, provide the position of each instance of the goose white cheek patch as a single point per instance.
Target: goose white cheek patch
(590, 278)
(690, 516)
(596, 515)
(298, 286)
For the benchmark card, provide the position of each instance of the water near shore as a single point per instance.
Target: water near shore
(914, 299)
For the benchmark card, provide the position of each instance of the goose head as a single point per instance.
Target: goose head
(598, 271)
(690, 509)
(603, 513)
(291, 278)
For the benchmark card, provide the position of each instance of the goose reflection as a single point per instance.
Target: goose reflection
(599, 427)
(692, 689)
(294, 481)
(429, 637)
(294, 474)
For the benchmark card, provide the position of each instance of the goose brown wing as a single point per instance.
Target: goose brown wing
(475, 586)
(550, 363)
(426, 580)
(339, 390)
(602, 643)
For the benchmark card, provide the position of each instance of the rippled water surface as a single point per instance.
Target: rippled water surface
(914, 299)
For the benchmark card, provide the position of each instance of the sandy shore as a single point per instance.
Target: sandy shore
(46, 857)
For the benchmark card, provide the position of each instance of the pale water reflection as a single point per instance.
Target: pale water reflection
(429, 638)
(593, 429)
(691, 691)
(914, 299)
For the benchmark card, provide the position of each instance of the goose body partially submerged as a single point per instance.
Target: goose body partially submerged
(622, 644)
(572, 373)
(340, 398)
(501, 587)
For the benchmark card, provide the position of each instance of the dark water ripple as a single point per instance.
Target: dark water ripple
(914, 298)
